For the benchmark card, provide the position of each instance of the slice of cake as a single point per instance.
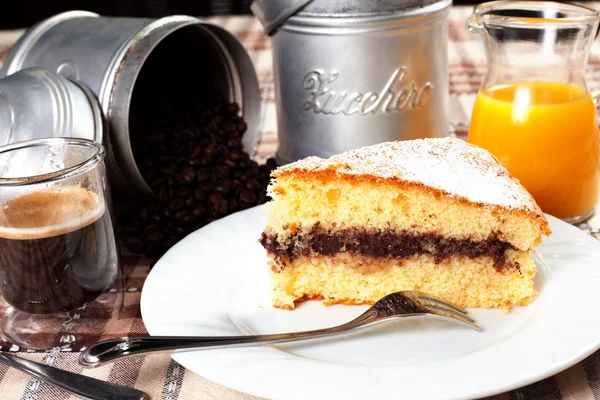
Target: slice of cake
(436, 215)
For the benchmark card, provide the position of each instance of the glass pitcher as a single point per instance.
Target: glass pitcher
(533, 110)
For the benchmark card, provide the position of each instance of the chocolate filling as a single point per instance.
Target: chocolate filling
(385, 244)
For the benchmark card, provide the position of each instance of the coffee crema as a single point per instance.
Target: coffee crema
(48, 213)
(57, 250)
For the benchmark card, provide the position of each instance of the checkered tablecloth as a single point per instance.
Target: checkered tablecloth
(161, 377)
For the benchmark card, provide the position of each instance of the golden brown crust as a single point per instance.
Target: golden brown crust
(331, 173)
(447, 167)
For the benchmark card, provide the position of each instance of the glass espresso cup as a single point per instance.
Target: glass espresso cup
(59, 261)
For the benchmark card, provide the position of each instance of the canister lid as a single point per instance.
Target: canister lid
(37, 103)
(273, 13)
(350, 8)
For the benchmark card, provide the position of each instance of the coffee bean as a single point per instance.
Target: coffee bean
(167, 170)
(253, 185)
(212, 125)
(224, 188)
(189, 133)
(207, 186)
(230, 164)
(150, 228)
(195, 151)
(229, 127)
(154, 236)
(235, 156)
(178, 150)
(247, 197)
(194, 162)
(188, 175)
(199, 211)
(157, 182)
(233, 108)
(174, 142)
(233, 144)
(176, 204)
(188, 220)
(222, 150)
(242, 127)
(245, 175)
(218, 203)
(183, 191)
(181, 215)
(190, 202)
(144, 213)
(199, 194)
(221, 172)
(205, 114)
(163, 194)
(209, 150)
(206, 160)
(202, 175)
(236, 186)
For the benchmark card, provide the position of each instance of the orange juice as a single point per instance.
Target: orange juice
(546, 135)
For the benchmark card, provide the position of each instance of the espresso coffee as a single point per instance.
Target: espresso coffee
(57, 250)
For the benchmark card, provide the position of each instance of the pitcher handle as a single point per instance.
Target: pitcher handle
(596, 100)
(474, 23)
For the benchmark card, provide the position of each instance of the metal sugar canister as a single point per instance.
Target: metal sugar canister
(350, 73)
(89, 65)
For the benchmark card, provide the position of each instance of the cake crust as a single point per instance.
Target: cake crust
(443, 167)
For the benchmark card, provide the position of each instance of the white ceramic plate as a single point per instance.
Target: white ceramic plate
(215, 282)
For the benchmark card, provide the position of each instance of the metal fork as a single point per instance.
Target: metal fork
(405, 304)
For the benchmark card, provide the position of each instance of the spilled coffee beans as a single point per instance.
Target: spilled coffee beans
(189, 151)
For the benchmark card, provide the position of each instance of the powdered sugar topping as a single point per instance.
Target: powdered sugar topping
(448, 164)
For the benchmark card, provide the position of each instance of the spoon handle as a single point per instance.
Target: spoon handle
(80, 385)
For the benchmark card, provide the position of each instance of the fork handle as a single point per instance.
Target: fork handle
(112, 349)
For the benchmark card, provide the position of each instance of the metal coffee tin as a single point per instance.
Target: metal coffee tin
(352, 73)
(106, 55)
(36, 103)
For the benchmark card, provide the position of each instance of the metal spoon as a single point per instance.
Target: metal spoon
(80, 385)
(406, 304)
